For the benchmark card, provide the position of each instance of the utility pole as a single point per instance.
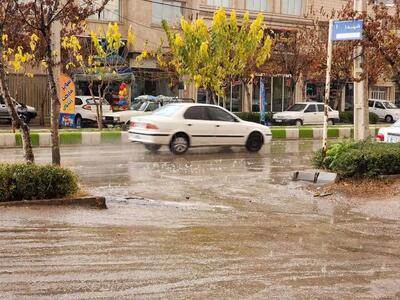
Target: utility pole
(327, 89)
(361, 114)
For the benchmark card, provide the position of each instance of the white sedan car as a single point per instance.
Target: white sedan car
(305, 113)
(389, 134)
(184, 125)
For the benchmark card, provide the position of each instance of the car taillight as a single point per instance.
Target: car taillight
(87, 107)
(132, 124)
(151, 126)
(380, 137)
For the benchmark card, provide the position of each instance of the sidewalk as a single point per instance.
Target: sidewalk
(41, 137)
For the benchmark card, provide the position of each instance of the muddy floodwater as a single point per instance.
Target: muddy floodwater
(212, 224)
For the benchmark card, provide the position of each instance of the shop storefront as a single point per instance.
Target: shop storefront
(278, 92)
(233, 100)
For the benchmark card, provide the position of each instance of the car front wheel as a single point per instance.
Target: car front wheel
(179, 144)
(254, 142)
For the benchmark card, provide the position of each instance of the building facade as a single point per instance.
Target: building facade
(145, 17)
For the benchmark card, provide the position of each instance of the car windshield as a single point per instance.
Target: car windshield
(142, 107)
(389, 105)
(297, 107)
(167, 110)
(136, 105)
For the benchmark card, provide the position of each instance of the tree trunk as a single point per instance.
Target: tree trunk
(247, 101)
(99, 109)
(54, 103)
(16, 120)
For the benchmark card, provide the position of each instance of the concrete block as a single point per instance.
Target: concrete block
(124, 137)
(326, 177)
(7, 140)
(315, 177)
(292, 133)
(44, 139)
(317, 133)
(344, 132)
(91, 138)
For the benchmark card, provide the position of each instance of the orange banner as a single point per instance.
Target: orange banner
(67, 94)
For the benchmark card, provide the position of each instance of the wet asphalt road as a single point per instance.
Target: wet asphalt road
(213, 224)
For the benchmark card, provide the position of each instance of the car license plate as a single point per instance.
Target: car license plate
(393, 139)
(278, 121)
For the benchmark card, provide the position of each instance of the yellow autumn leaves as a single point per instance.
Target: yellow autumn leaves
(211, 56)
(17, 58)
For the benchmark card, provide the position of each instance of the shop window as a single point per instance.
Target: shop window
(170, 11)
(111, 12)
(219, 3)
(378, 93)
(292, 7)
(257, 5)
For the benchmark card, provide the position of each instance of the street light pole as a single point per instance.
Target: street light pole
(361, 114)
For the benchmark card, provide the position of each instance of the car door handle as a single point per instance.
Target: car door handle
(189, 124)
(217, 125)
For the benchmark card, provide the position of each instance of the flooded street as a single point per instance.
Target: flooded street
(212, 224)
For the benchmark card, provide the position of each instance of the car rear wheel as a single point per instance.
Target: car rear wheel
(299, 122)
(179, 144)
(389, 119)
(152, 147)
(254, 142)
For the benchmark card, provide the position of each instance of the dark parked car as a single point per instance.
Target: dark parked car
(27, 113)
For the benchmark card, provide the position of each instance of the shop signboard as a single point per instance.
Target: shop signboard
(67, 101)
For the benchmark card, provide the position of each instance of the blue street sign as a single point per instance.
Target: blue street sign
(347, 30)
(262, 102)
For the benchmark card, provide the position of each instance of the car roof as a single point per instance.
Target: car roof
(378, 100)
(309, 102)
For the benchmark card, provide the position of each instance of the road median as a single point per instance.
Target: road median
(93, 138)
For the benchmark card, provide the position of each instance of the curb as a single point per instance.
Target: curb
(43, 139)
(92, 202)
(315, 133)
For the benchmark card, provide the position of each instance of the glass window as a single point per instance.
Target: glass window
(379, 105)
(78, 101)
(219, 3)
(111, 12)
(167, 110)
(321, 107)
(292, 7)
(311, 108)
(277, 94)
(217, 114)
(385, 2)
(257, 5)
(371, 103)
(170, 11)
(297, 107)
(389, 105)
(196, 113)
(378, 93)
(152, 106)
